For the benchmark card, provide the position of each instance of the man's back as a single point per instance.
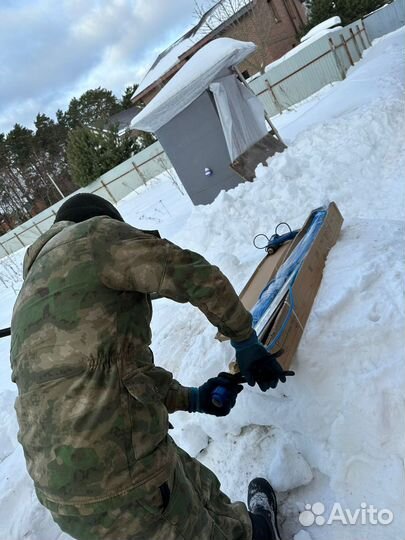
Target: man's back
(92, 406)
(77, 350)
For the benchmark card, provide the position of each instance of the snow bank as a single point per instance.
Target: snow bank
(319, 28)
(333, 433)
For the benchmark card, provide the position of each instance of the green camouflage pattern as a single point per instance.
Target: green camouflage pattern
(196, 510)
(92, 406)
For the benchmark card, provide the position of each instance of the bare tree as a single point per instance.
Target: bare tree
(247, 20)
(225, 10)
(170, 174)
(11, 273)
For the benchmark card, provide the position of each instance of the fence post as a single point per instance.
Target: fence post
(337, 59)
(108, 191)
(355, 42)
(366, 33)
(344, 43)
(360, 36)
(276, 102)
(138, 170)
(4, 247)
(19, 239)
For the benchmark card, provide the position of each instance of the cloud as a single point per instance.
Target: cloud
(51, 51)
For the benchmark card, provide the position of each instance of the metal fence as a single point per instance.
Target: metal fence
(290, 80)
(113, 185)
(386, 19)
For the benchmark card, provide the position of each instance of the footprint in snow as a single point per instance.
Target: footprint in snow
(374, 314)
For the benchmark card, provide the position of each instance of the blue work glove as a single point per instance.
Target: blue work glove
(201, 399)
(257, 365)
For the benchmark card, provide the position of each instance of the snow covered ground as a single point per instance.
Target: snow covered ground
(334, 433)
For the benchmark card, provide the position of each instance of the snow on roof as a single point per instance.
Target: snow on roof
(191, 81)
(325, 25)
(209, 22)
(170, 59)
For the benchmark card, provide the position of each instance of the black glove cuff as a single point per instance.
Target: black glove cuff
(194, 400)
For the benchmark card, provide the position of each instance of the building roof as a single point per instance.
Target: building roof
(121, 120)
(221, 15)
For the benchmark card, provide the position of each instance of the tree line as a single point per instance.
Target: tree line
(59, 155)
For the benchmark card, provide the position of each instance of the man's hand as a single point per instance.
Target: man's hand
(257, 365)
(201, 398)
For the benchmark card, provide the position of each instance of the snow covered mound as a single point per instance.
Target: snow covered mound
(319, 28)
(334, 432)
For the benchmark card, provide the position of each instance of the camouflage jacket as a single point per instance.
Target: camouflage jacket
(92, 406)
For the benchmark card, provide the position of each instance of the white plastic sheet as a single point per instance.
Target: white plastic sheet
(241, 114)
(191, 81)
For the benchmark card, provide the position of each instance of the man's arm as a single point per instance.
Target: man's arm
(130, 259)
(137, 261)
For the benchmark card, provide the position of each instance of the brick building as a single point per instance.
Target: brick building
(271, 24)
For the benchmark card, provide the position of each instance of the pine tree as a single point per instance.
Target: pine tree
(83, 154)
(50, 142)
(70, 148)
(29, 168)
(15, 201)
(320, 10)
(350, 10)
(126, 102)
(92, 153)
(347, 10)
(92, 108)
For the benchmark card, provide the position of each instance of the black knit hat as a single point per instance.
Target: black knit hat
(85, 206)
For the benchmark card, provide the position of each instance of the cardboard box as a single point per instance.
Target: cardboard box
(304, 289)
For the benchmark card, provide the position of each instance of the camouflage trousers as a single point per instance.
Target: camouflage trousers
(190, 507)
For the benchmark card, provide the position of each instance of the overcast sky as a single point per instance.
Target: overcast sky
(52, 50)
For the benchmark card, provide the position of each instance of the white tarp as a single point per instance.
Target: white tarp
(191, 81)
(241, 114)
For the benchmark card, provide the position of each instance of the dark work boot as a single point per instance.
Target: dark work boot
(262, 504)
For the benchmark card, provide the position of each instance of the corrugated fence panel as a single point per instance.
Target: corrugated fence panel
(297, 77)
(305, 82)
(261, 89)
(386, 19)
(114, 185)
(344, 57)
(28, 232)
(357, 39)
(153, 164)
(289, 81)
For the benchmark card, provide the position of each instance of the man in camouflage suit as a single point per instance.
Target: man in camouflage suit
(93, 407)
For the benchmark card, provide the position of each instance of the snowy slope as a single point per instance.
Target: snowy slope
(334, 433)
